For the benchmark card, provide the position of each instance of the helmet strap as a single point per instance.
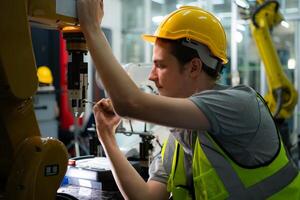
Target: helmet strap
(203, 53)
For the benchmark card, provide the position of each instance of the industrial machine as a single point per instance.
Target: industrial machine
(282, 97)
(32, 167)
(90, 177)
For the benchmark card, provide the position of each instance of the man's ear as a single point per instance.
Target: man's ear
(195, 67)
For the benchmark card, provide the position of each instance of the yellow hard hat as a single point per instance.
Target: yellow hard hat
(196, 24)
(44, 75)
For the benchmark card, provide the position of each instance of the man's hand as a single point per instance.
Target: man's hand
(90, 14)
(106, 119)
(130, 183)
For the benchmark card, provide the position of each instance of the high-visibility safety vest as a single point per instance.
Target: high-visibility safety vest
(214, 175)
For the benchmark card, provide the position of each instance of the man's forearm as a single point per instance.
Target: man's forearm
(130, 183)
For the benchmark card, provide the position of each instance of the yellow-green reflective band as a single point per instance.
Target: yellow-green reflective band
(232, 182)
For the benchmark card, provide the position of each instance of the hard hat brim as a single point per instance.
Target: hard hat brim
(149, 38)
(152, 38)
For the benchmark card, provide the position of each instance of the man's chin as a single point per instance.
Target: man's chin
(161, 92)
(164, 94)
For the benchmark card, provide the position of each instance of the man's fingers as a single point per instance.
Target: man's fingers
(98, 106)
(108, 109)
(104, 105)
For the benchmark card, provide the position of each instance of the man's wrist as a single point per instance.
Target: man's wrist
(92, 31)
(109, 144)
(106, 136)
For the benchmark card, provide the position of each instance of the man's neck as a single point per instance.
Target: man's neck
(205, 83)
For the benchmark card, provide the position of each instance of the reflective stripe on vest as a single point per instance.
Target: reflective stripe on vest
(168, 153)
(167, 157)
(234, 185)
(229, 177)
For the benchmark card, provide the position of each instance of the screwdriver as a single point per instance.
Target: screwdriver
(87, 101)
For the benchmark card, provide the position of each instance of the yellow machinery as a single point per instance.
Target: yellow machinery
(281, 97)
(31, 167)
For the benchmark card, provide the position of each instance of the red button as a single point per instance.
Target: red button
(72, 162)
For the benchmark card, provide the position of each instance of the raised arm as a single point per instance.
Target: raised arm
(128, 100)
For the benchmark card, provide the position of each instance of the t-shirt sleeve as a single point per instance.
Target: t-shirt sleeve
(240, 123)
(229, 111)
(157, 171)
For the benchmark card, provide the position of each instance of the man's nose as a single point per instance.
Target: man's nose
(153, 74)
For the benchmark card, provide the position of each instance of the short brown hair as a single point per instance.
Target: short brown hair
(185, 54)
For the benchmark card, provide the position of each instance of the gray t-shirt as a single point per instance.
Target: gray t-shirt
(239, 122)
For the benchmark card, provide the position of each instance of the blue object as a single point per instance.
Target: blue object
(65, 181)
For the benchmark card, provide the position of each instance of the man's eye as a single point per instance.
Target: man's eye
(159, 65)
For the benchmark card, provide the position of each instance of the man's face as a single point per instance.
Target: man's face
(166, 74)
